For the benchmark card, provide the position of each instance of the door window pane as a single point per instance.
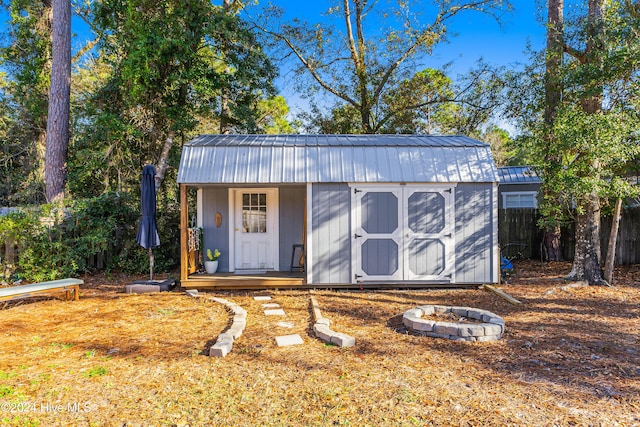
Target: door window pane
(254, 213)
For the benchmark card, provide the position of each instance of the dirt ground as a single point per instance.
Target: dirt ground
(569, 357)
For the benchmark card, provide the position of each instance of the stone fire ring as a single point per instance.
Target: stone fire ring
(491, 328)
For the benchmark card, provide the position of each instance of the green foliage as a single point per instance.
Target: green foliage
(592, 144)
(55, 242)
(97, 371)
(165, 68)
(273, 116)
(25, 56)
(6, 390)
(369, 65)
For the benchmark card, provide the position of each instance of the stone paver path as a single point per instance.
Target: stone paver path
(274, 309)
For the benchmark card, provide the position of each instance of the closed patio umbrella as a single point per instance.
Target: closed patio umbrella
(148, 232)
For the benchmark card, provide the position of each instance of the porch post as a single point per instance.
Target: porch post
(308, 244)
(184, 216)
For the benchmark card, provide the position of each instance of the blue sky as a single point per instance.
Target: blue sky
(477, 36)
(472, 36)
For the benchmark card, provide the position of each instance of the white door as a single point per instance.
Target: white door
(428, 234)
(256, 229)
(403, 233)
(378, 233)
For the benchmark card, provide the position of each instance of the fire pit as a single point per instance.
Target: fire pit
(454, 323)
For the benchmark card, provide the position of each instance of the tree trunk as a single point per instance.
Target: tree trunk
(553, 248)
(59, 97)
(586, 262)
(555, 50)
(613, 241)
(553, 90)
(163, 160)
(586, 266)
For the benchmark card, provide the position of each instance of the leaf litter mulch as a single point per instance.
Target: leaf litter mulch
(569, 357)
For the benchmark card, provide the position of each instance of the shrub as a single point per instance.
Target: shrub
(58, 241)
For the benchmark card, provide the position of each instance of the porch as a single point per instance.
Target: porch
(230, 281)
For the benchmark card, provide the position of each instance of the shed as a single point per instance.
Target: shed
(340, 210)
(519, 186)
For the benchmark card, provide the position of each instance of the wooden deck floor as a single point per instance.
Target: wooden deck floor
(285, 280)
(272, 279)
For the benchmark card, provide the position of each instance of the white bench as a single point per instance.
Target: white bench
(43, 288)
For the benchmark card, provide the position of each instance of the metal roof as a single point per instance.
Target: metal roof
(262, 159)
(518, 175)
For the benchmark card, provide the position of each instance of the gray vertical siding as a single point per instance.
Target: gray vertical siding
(331, 237)
(216, 200)
(474, 235)
(291, 222)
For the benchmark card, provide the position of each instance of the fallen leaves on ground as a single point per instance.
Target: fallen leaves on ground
(569, 357)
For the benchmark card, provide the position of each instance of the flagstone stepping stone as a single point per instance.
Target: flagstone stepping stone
(271, 305)
(287, 340)
(287, 325)
(262, 298)
(275, 312)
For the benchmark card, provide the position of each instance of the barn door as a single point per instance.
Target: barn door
(403, 233)
(428, 234)
(378, 234)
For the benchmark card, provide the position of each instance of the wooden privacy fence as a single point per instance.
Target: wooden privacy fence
(519, 235)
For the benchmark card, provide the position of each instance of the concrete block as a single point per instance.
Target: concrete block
(427, 310)
(423, 325)
(141, 289)
(491, 329)
(460, 311)
(343, 340)
(323, 321)
(487, 338)
(471, 330)
(409, 322)
(475, 313)
(262, 298)
(192, 293)
(275, 312)
(497, 320)
(436, 335)
(414, 312)
(220, 349)
(239, 319)
(441, 309)
(446, 328)
(225, 336)
(315, 308)
(322, 332)
(271, 305)
(236, 331)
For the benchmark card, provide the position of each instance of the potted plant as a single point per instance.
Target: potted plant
(212, 264)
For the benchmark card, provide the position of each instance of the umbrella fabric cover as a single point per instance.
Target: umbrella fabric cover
(148, 232)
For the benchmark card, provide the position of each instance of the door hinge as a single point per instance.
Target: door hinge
(355, 236)
(449, 235)
(448, 190)
(356, 191)
(357, 276)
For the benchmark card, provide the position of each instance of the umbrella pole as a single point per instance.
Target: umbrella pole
(151, 264)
